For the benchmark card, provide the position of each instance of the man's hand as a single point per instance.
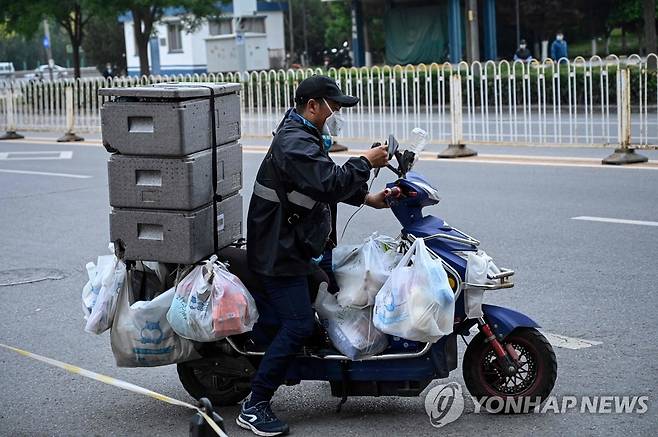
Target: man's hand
(376, 200)
(377, 156)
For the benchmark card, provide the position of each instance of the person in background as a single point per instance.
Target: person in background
(523, 54)
(559, 48)
(108, 72)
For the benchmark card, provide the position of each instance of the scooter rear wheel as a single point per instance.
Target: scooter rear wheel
(535, 377)
(202, 378)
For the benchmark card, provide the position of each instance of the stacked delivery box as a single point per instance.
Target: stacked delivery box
(164, 188)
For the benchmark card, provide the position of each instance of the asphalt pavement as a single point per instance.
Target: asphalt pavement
(582, 279)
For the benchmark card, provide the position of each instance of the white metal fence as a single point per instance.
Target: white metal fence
(569, 102)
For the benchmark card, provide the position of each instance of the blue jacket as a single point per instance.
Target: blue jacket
(559, 50)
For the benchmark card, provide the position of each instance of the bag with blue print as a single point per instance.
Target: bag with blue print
(416, 302)
(141, 336)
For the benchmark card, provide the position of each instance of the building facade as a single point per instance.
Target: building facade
(174, 50)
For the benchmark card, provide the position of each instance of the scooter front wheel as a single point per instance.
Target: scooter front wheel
(536, 369)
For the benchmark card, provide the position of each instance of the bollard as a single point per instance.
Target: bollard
(336, 147)
(70, 119)
(456, 148)
(624, 154)
(11, 133)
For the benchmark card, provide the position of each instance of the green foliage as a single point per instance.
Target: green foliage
(627, 13)
(315, 12)
(338, 24)
(24, 17)
(106, 44)
(27, 53)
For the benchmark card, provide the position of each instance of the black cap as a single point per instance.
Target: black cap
(317, 87)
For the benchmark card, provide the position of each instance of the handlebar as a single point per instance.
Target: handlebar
(394, 192)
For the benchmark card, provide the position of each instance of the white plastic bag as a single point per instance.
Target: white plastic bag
(361, 271)
(478, 266)
(141, 336)
(416, 302)
(95, 273)
(350, 329)
(112, 279)
(211, 307)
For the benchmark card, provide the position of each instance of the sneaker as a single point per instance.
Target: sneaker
(261, 420)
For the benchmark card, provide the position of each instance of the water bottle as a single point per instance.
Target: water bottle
(419, 139)
(91, 270)
(91, 289)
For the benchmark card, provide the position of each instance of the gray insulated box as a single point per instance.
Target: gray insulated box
(169, 119)
(180, 237)
(173, 183)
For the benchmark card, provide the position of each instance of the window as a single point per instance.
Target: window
(174, 35)
(221, 26)
(252, 24)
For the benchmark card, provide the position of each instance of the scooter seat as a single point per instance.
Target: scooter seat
(236, 259)
(268, 323)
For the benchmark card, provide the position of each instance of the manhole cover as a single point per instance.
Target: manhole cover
(28, 276)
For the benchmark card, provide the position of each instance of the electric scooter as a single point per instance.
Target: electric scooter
(508, 357)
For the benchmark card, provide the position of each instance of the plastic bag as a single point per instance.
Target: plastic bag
(112, 279)
(95, 273)
(210, 307)
(416, 302)
(350, 329)
(362, 270)
(478, 266)
(141, 336)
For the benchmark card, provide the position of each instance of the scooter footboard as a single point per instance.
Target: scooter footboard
(504, 320)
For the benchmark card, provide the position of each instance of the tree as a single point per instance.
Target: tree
(314, 12)
(107, 45)
(25, 17)
(632, 15)
(338, 27)
(28, 52)
(146, 13)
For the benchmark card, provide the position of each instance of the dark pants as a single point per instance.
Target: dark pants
(288, 297)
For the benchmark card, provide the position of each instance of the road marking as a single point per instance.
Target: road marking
(118, 383)
(569, 342)
(615, 220)
(43, 173)
(33, 156)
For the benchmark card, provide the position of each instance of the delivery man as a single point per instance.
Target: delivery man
(290, 224)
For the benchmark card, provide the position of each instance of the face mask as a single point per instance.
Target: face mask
(522, 46)
(333, 125)
(559, 37)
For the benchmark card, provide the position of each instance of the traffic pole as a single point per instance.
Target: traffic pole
(624, 154)
(70, 119)
(456, 148)
(10, 133)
